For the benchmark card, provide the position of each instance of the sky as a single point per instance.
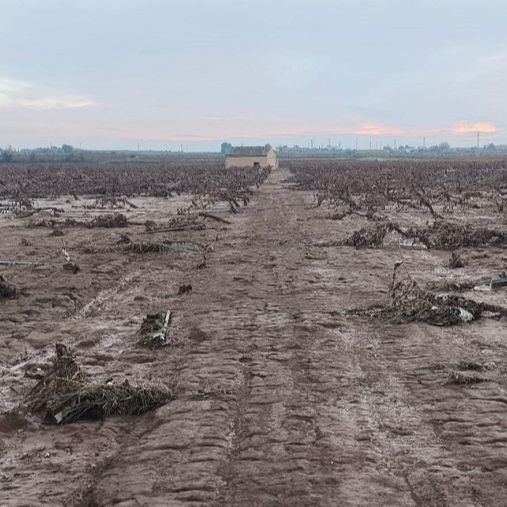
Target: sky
(166, 74)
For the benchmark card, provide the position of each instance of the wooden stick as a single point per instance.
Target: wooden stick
(22, 263)
(214, 217)
(192, 227)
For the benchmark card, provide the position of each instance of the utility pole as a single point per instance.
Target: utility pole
(478, 139)
(370, 144)
(357, 144)
(424, 142)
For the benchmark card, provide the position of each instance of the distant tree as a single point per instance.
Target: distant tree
(225, 148)
(67, 148)
(7, 155)
(444, 147)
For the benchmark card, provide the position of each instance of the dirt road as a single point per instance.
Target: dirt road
(282, 398)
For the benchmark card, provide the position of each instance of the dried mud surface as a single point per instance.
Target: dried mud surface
(282, 398)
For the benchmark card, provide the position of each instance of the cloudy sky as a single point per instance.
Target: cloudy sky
(112, 73)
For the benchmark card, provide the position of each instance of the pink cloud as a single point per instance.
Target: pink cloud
(469, 128)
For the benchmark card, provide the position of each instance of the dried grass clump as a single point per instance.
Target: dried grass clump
(7, 290)
(65, 395)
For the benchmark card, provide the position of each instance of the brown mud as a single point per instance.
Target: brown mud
(282, 396)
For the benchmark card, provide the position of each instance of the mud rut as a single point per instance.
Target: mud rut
(283, 400)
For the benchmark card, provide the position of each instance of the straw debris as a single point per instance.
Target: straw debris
(65, 394)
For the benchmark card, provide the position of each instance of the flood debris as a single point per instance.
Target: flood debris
(184, 289)
(124, 239)
(29, 212)
(440, 236)
(371, 236)
(7, 290)
(116, 220)
(109, 221)
(202, 264)
(455, 261)
(69, 265)
(65, 394)
(142, 247)
(409, 303)
(481, 284)
(499, 281)
(112, 202)
(216, 218)
(177, 224)
(154, 331)
(465, 378)
(449, 236)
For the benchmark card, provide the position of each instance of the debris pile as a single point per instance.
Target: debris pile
(109, 221)
(447, 236)
(177, 224)
(142, 247)
(65, 395)
(154, 331)
(465, 378)
(371, 236)
(410, 303)
(455, 261)
(441, 236)
(184, 289)
(68, 265)
(7, 291)
(481, 284)
(116, 220)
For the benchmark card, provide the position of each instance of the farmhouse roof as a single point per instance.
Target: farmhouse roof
(250, 151)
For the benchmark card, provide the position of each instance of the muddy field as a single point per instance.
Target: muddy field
(287, 387)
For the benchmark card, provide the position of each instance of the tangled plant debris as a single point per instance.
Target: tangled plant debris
(371, 236)
(184, 289)
(142, 247)
(465, 378)
(154, 331)
(7, 290)
(65, 394)
(455, 261)
(447, 236)
(409, 303)
(110, 221)
(441, 236)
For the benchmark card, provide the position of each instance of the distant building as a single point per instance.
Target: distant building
(251, 156)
